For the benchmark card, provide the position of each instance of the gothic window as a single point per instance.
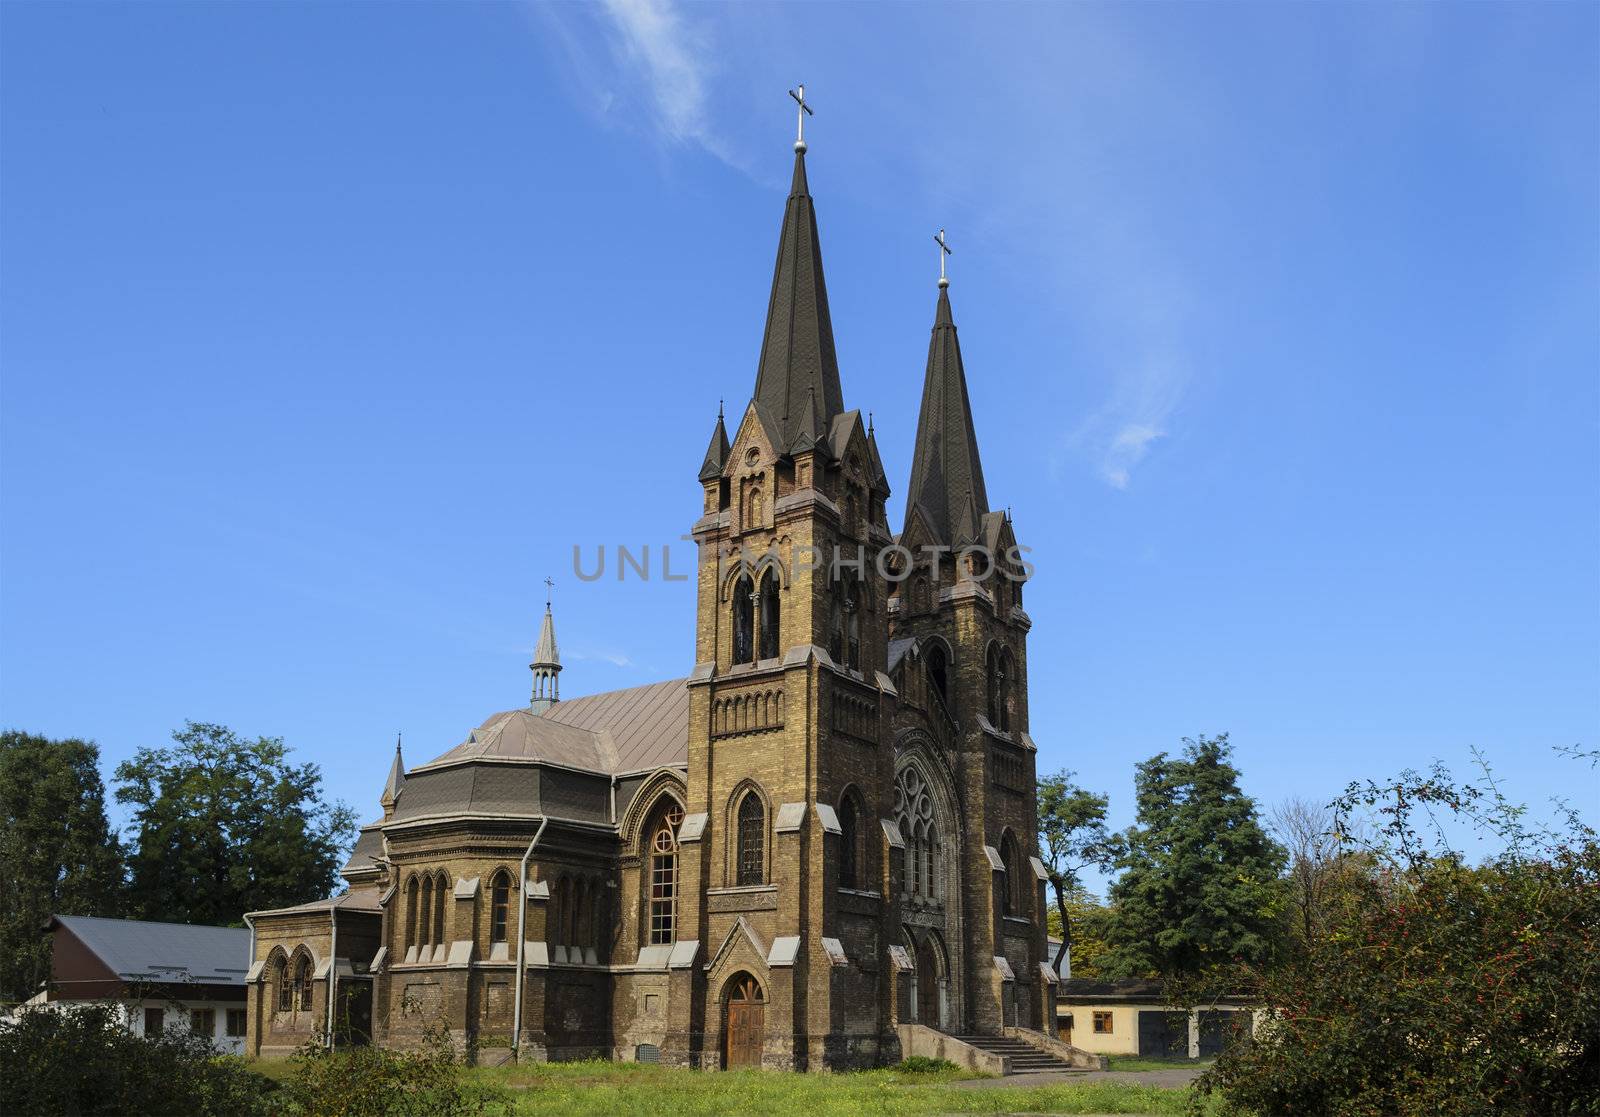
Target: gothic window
(769, 614)
(1011, 877)
(849, 854)
(441, 888)
(743, 621)
(844, 638)
(753, 506)
(752, 840)
(424, 914)
(939, 673)
(914, 815)
(499, 906)
(664, 875)
(411, 913)
(302, 983)
(280, 975)
(1000, 688)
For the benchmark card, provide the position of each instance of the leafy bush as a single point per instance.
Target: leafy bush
(374, 1082)
(1435, 987)
(922, 1064)
(84, 1060)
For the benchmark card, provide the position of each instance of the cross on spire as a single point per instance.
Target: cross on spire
(803, 111)
(549, 584)
(944, 250)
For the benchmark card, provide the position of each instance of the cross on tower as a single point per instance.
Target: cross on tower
(801, 113)
(944, 250)
(549, 584)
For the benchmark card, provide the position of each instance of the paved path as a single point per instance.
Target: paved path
(1175, 1076)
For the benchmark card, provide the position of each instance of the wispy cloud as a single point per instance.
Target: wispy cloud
(652, 55)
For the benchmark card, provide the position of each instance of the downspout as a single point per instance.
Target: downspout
(250, 923)
(333, 963)
(522, 921)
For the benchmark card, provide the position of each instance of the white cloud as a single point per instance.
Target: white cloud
(1127, 450)
(616, 659)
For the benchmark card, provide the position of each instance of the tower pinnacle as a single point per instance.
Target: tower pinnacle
(546, 665)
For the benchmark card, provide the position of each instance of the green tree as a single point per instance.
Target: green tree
(224, 825)
(1090, 920)
(1199, 884)
(1432, 986)
(1072, 838)
(58, 854)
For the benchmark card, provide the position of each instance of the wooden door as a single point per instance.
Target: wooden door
(746, 1023)
(927, 986)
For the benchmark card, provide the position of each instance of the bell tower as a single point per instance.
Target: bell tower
(963, 602)
(790, 766)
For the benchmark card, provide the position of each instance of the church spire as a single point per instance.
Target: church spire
(396, 782)
(946, 474)
(797, 379)
(717, 452)
(546, 665)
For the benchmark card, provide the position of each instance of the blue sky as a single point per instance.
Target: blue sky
(328, 330)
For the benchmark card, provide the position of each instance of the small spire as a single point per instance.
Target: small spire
(717, 451)
(546, 665)
(396, 782)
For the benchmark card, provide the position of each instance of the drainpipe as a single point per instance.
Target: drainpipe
(333, 963)
(522, 920)
(250, 923)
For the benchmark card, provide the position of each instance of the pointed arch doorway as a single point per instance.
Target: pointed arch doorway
(746, 1022)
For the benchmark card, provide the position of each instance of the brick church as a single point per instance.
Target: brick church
(822, 835)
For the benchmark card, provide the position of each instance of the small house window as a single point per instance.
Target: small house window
(1102, 1023)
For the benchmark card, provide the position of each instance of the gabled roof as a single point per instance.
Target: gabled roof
(163, 952)
(797, 378)
(946, 473)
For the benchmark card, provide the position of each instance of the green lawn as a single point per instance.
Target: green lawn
(1151, 1062)
(604, 1089)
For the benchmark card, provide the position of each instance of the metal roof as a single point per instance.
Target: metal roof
(168, 952)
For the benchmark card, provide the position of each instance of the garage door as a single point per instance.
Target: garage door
(1163, 1034)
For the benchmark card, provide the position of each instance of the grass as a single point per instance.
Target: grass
(600, 1089)
(1153, 1062)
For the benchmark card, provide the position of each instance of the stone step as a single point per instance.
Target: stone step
(1025, 1058)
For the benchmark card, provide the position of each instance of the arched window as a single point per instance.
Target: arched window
(423, 914)
(752, 862)
(499, 906)
(769, 615)
(280, 975)
(744, 621)
(844, 637)
(1011, 877)
(914, 814)
(441, 889)
(1000, 688)
(302, 982)
(411, 913)
(663, 839)
(939, 673)
(849, 854)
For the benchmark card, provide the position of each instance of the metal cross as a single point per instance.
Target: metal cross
(944, 250)
(801, 113)
(549, 584)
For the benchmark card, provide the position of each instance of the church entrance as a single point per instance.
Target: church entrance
(927, 985)
(747, 1023)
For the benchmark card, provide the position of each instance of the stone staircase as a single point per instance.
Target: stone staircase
(1025, 1058)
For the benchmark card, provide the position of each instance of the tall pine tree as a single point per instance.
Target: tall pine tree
(58, 853)
(1199, 883)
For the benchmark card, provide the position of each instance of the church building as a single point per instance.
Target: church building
(823, 834)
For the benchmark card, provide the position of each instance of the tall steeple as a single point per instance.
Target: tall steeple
(797, 380)
(946, 474)
(396, 782)
(546, 665)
